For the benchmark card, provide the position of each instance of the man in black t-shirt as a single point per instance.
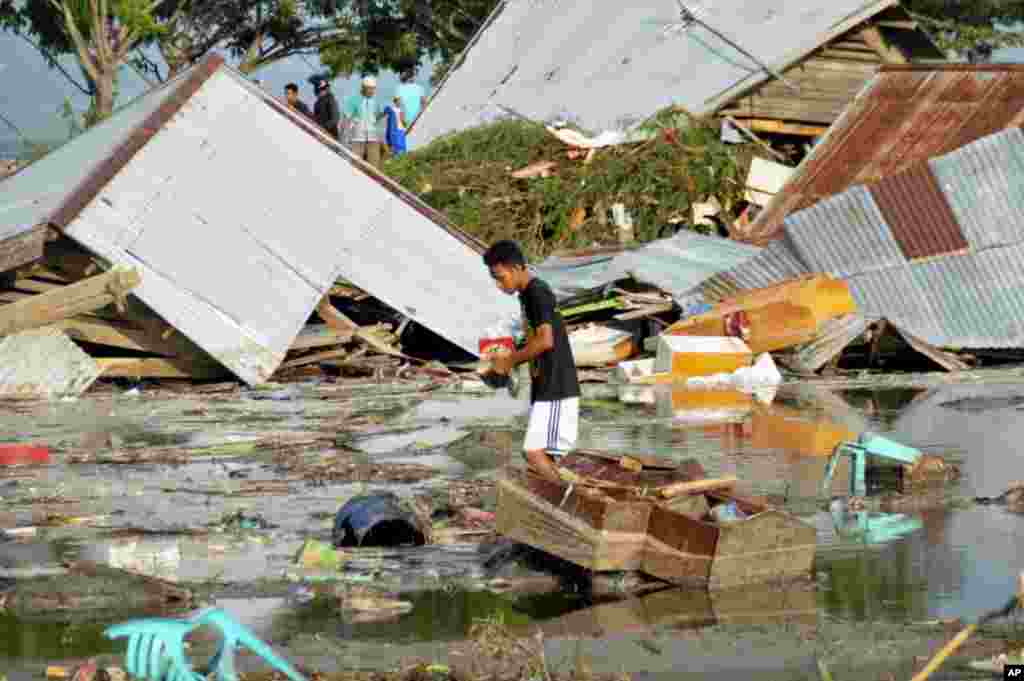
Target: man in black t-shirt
(554, 388)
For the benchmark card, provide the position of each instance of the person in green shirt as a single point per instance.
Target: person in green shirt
(362, 114)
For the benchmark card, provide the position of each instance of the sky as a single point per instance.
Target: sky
(34, 94)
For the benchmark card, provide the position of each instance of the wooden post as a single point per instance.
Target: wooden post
(85, 296)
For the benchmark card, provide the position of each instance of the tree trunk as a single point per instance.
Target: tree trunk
(104, 96)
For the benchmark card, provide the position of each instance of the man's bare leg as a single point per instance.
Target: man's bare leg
(542, 463)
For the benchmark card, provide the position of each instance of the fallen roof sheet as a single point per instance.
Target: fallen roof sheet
(234, 253)
(611, 65)
(948, 286)
(904, 115)
(677, 265)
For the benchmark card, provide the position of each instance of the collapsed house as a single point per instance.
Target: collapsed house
(932, 241)
(237, 216)
(904, 115)
(788, 68)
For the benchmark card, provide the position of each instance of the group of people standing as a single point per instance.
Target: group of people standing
(357, 122)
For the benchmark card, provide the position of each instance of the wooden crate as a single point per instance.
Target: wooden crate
(586, 530)
(601, 529)
(769, 544)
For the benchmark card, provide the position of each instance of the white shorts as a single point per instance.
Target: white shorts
(553, 426)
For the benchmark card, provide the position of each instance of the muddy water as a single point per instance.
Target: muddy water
(873, 596)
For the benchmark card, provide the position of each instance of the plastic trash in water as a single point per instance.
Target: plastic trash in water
(156, 648)
(376, 520)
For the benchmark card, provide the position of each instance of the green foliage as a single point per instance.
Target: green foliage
(467, 177)
(971, 29)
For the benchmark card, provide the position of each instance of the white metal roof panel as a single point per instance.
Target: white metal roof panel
(610, 65)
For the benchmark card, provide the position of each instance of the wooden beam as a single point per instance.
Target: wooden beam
(784, 128)
(158, 367)
(22, 248)
(319, 336)
(67, 301)
(678, 488)
(35, 286)
(314, 358)
(340, 322)
(120, 334)
(902, 25)
(849, 55)
(890, 54)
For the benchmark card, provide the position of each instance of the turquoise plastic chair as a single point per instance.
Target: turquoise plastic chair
(156, 648)
(868, 444)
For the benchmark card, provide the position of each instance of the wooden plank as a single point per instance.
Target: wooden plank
(155, 367)
(22, 248)
(696, 486)
(119, 334)
(784, 127)
(28, 285)
(342, 323)
(85, 296)
(319, 336)
(645, 312)
(314, 358)
(893, 23)
(889, 53)
(850, 55)
(946, 360)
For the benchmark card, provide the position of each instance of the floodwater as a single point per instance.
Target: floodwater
(872, 605)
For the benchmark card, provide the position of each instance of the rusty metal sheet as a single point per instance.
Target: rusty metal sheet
(917, 212)
(984, 185)
(844, 235)
(905, 115)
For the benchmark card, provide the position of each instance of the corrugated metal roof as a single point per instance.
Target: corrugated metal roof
(610, 65)
(918, 214)
(893, 294)
(984, 183)
(905, 115)
(844, 235)
(973, 298)
(775, 263)
(677, 265)
(34, 195)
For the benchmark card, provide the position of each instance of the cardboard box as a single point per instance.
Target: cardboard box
(689, 356)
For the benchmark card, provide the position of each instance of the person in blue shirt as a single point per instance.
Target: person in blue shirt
(412, 96)
(362, 114)
(394, 134)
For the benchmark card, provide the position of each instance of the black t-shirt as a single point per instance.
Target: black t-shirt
(553, 373)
